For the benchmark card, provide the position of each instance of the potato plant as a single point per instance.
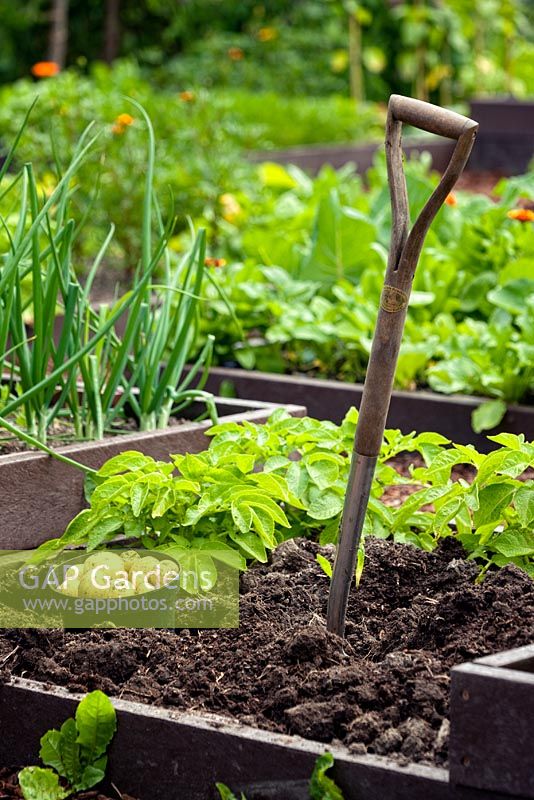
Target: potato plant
(258, 485)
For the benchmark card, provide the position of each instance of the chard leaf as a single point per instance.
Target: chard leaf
(50, 753)
(96, 722)
(92, 774)
(70, 751)
(321, 786)
(41, 784)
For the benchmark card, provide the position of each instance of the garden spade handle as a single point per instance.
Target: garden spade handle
(405, 249)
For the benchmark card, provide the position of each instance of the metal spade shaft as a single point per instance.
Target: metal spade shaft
(404, 253)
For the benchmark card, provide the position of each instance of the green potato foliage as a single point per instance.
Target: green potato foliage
(258, 485)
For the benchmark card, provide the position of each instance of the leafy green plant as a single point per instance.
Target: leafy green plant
(321, 787)
(75, 755)
(258, 485)
(469, 326)
(75, 367)
(201, 135)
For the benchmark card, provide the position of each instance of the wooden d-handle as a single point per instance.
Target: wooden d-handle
(430, 118)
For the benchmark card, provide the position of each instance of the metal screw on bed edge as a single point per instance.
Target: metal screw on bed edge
(466, 761)
(465, 694)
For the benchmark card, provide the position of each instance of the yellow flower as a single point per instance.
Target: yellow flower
(521, 214)
(187, 96)
(215, 262)
(451, 200)
(267, 34)
(230, 207)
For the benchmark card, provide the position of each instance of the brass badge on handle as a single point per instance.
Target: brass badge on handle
(393, 299)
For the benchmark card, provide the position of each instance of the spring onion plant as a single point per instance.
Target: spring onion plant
(73, 365)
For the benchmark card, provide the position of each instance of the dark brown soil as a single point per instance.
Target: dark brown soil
(62, 434)
(9, 788)
(383, 690)
(396, 495)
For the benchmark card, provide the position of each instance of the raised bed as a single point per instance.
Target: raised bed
(167, 754)
(492, 711)
(39, 495)
(505, 144)
(419, 411)
(313, 157)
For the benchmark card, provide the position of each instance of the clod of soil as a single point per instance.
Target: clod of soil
(383, 690)
(9, 787)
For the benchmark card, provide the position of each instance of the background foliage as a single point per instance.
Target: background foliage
(313, 46)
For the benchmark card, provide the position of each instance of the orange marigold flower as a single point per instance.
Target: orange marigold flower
(451, 200)
(236, 54)
(124, 120)
(267, 34)
(215, 262)
(187, 96)
(45, 69)
(521, 214)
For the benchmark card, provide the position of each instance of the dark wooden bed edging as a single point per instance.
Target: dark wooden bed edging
(492, 723)
(420, 411)
(505, 143)
(170, 755)
(39, 495)
(312, 157)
